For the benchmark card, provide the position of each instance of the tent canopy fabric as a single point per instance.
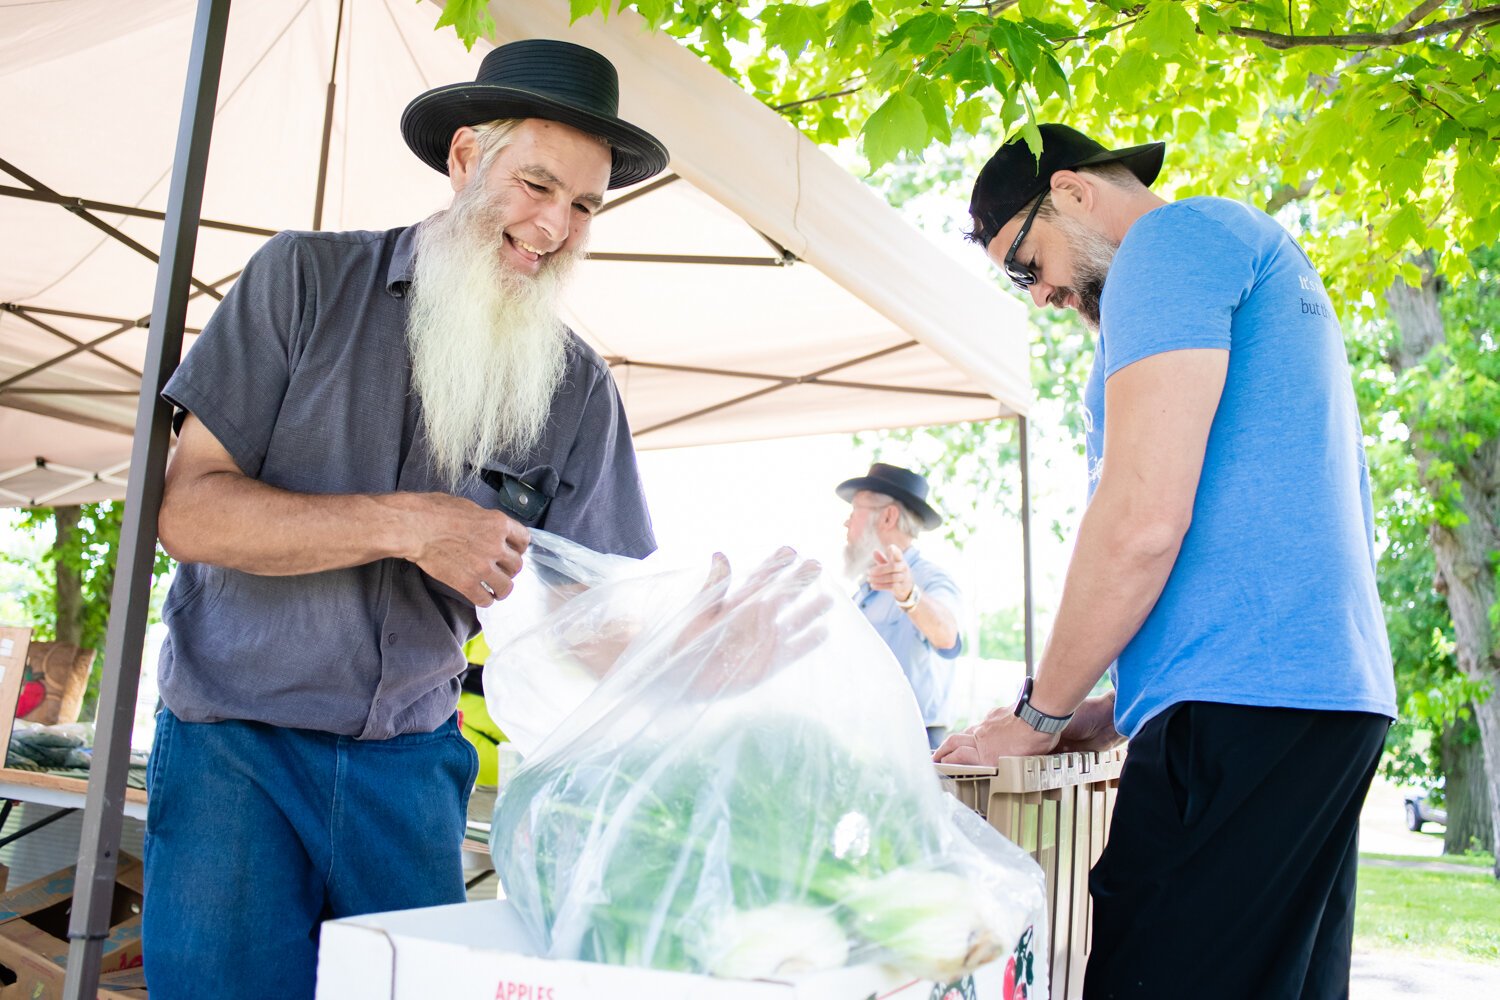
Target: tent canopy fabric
(756, 290)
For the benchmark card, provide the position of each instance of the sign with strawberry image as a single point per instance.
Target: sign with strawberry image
(961, 990)
(1019, 974)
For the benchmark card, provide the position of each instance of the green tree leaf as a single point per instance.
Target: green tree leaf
(470, 19)
(793, 27)
(971, 65)
(853, 28)
(926, 31)
(934, 108)
(898, 125)
(970, 115)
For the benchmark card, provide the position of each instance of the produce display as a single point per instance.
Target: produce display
(745, 789)
(65, 749)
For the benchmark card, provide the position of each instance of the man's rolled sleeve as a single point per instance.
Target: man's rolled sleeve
(235, 376)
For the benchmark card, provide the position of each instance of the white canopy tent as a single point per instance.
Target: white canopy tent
(756, 290)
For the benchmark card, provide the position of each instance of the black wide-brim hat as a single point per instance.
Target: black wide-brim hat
(900, 484)
(1013, 177)
(536, 78)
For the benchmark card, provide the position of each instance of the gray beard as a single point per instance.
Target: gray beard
(1093, 253)
(859, 553)
(487, 348)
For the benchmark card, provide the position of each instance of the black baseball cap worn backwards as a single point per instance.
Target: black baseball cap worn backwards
(536, 78)
(1013, 178)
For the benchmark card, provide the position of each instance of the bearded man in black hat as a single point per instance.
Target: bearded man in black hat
(367, 427)
(1223, 573)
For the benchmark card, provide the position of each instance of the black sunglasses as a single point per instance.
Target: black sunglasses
(1023, 276)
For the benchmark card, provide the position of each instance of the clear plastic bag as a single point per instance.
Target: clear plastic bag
(732, 779)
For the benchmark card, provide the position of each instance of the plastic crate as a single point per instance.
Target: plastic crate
(1057, 808)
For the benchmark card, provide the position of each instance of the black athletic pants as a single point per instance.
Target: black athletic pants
(1232, 855)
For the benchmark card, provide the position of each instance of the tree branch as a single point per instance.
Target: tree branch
(1415, 17)
(1468, 6)
(1094, 34)
(1286, 194)
(1416, 92)
(1378, 39)
(815, 99)
(1410, 20)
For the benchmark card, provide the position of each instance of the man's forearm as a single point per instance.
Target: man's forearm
(1120, 564)
(933, 619)
(231, 520)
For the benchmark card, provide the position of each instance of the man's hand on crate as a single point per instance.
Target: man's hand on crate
(1001, 734)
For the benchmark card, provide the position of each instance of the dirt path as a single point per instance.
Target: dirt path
(1391, 976)
(1425, 866)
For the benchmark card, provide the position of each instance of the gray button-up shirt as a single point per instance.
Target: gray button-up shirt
(303, 375)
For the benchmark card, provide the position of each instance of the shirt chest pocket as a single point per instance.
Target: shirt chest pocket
(524, 495)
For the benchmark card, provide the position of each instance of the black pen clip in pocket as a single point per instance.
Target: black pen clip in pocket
(517, 498)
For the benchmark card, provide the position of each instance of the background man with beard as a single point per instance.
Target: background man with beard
(911, 602)
(1223, 572)
(368, 424)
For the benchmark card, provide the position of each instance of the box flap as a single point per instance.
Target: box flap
(482, 951)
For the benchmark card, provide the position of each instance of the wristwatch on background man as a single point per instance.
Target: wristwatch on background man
(1040, 721)
(911, 598)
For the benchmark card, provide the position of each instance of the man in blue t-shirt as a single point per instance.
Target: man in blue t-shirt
(1224, 573)
(908, 598)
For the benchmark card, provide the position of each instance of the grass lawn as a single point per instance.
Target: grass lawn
(1486, 861)
(1437, 914)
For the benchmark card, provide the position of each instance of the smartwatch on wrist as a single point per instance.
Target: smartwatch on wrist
(1040, 721)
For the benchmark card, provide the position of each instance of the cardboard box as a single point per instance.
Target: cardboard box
(482, 951)
(34, 932)
(127, 984)
(14, 642)
(1057, 808)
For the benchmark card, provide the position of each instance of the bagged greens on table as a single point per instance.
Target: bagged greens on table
(732, 780)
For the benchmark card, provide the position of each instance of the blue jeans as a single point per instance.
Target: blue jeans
(255, 834)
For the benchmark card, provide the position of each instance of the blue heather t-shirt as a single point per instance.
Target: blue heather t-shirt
(1272, 599)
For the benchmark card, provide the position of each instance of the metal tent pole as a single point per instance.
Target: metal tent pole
(1021, 428)
(333, 72)
(99, 846)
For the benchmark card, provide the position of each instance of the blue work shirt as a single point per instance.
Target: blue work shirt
(926, 668)
(1272, 599)
(303, 374)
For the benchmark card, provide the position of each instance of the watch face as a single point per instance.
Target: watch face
(1024, 696)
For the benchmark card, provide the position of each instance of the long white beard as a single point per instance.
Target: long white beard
(859, 553)
(487, 347)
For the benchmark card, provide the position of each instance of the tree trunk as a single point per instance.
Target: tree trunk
(69, 586)
(1462, 551)
(1466, 792)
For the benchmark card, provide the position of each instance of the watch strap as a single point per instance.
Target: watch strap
(1039, 720)
(912, 598)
